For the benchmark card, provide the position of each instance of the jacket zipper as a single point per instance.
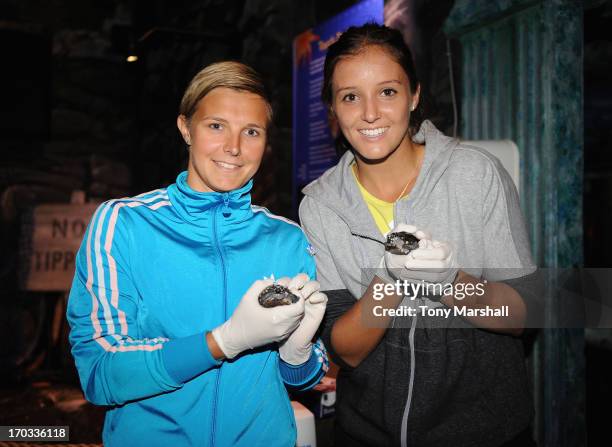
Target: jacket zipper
(220, 255)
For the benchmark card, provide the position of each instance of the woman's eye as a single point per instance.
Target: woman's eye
(389, 92)
(350, 97)
(215, 126)
(252, 132)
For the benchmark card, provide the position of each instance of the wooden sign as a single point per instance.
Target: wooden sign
(54, 238)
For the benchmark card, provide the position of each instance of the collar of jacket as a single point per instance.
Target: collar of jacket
(337, 189)
(195, 207)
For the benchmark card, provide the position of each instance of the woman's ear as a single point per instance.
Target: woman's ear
(330, 111)
(415, 98)
(183, 127)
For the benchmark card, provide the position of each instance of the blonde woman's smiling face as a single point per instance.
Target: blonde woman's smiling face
(227, 139)
(372, 102)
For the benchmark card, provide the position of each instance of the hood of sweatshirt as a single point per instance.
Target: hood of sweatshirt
(337, 189)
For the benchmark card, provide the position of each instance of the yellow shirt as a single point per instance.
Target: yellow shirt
(381, 211)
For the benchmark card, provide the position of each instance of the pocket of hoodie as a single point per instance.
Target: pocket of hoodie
(449, 390)
(397, 375)
(372, 392)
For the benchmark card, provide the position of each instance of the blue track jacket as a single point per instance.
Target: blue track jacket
(156, 272)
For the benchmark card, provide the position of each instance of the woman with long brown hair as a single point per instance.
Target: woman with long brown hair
(426, 337)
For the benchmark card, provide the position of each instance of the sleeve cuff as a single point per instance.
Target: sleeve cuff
(187, 357)
(308, 374)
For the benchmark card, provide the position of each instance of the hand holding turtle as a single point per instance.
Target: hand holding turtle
(252, 325)
(433, 262)
(297, 349)
(423, 259)
(400, 242)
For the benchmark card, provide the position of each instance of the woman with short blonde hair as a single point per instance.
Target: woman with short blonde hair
(171, 323)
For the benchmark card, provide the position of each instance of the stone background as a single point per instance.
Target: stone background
(91, 121)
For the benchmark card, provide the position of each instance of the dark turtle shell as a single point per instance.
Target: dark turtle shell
(401, 243)
(276, 295)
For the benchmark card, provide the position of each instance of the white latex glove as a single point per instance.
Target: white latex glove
(252, 325)
(298, 347)
(392, 266)
(433, 262)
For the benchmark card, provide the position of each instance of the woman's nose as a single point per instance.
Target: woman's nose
(232, 145)
(370, 111)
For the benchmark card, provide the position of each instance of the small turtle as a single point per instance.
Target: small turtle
(401, 243)
(276, 295)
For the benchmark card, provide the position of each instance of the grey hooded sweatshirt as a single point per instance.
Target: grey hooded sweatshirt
(430, 381)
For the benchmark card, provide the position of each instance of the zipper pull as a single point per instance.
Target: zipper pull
(226, 211)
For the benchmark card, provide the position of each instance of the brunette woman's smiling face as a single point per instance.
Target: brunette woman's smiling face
(372, 102)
